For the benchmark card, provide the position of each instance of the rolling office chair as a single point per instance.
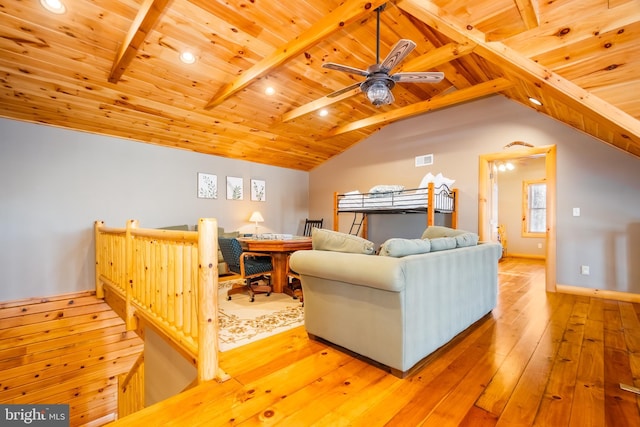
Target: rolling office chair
(254, 267)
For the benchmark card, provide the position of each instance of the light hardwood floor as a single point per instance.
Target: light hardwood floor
(538, 359)
(66, 349)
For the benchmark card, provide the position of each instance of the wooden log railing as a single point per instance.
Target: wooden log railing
(131, 389)
(166, 280)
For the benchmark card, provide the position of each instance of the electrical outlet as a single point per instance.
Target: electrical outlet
(539, 245)
(584, 270)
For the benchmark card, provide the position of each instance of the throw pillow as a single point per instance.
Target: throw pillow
(436, 231)
(328, 240)
(397, 247)
(442, 243)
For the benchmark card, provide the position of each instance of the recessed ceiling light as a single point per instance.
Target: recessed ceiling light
(187, 57)
(269, 90)
(54, 6)
(535, 101)
(323, 112)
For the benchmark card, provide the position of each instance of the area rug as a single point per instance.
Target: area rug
(242, 321)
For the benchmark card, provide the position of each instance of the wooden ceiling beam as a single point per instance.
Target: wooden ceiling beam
(432, 59)
(437, 102)
(565, 31)
(528, 13)
(318, 104)
(514, 63)
(148, 15)
(349, 12)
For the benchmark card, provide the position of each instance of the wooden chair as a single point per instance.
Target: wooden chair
(254, 267)
(310, 224)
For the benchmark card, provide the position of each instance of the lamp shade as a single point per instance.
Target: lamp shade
(256, 217)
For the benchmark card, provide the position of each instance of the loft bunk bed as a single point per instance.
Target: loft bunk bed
(431, 199)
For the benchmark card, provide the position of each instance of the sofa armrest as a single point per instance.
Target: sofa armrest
(373, 271)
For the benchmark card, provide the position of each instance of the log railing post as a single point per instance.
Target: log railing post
(129, 265)
(207, 299)
(99, 252)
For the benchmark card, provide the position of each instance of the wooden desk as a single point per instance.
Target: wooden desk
(280, 250)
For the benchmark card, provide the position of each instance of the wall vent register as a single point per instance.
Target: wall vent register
(425, 160)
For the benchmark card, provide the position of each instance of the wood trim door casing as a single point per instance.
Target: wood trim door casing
(484, 187)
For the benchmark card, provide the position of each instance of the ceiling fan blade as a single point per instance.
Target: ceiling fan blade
(345, 69)
(397, 54)
(418, 77)
(343, 90)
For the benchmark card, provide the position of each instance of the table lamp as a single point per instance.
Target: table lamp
(256, 217)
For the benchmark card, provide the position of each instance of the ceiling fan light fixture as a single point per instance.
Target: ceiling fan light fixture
(379, 93)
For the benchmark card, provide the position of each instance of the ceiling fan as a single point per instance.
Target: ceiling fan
(378, 83)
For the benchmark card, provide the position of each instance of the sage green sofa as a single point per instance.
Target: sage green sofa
(396, 309)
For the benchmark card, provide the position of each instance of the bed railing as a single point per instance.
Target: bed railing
(431, 200)
(166, 280)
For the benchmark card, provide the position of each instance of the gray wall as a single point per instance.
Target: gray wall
(56, 183)
(602, 181)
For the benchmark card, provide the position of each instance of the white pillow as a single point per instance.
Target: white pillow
(426, 180)
(439, 180)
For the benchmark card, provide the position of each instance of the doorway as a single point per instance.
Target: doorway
(485, 204)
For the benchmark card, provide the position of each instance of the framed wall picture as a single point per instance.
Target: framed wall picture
(234, 188)
(258, 190)
(207, 186)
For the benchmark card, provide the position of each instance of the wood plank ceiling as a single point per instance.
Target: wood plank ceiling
(112, 67)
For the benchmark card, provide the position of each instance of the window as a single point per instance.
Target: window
(534, 208)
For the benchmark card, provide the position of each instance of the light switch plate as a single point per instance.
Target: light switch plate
(576, 211)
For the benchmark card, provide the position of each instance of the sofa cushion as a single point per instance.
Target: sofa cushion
(397, 247)
(466, 239)
(442, 243)
(328, 240)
